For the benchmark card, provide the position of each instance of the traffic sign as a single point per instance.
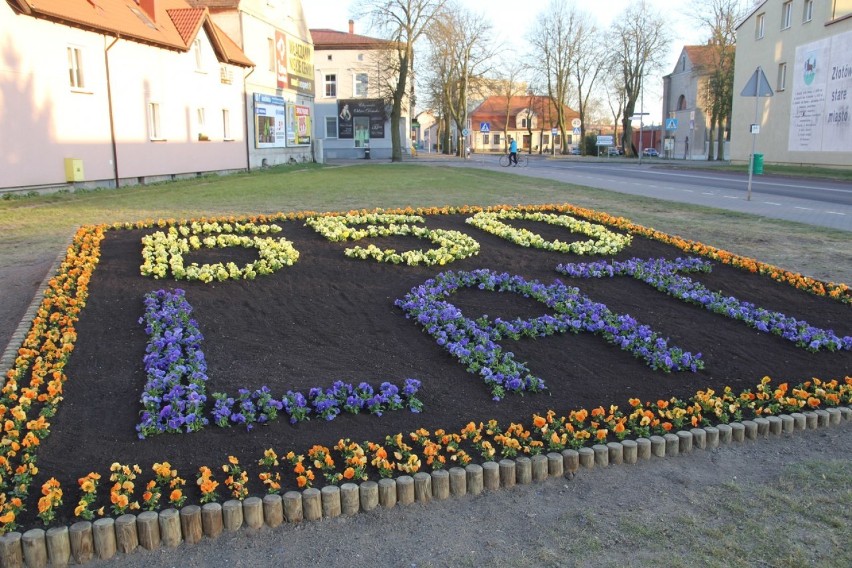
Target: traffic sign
(576, 123)
(554, 131)
(671, 124)
(465, 132)
(577, 131)
(485, 127)
(604, 141)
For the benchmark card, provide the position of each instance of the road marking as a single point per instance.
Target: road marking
(805, 208)
(731, 196)
(771, 203)
(835, 213)
(707, 193)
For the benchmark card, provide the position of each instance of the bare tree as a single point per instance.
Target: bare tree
(615, 98)
(554, 50)
(719, 19)
(588, 63)
(402, 22)
(642, 47)
(462, 52)
(507, 86)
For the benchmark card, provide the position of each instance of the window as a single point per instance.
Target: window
(681, 102)
(523, 123)
(331, 127)
(361, 82)
(200, 124)
(360, 57)
(495, 139)
(331, 85)
(226, 124)
(782, 77)
(329, 57)
(196, 50)
(809, 11)
(75, 68)
(760, 23)
(683, 62)
(270, 46)
(841, 8)
(485, 140)
(154, 131)
(786, 14)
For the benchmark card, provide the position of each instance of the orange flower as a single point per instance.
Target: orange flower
(539, 421)
(601, 434)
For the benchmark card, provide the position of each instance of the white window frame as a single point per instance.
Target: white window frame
(226, 124)
(808, 13)
(760, 23)
(329, 120)
(201, 123)
(155, 127)
(199, 55)
(787, 15)
(781, 84)
(356, 83)
(76, 76)
(330, 85)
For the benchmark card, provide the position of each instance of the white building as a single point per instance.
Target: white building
(804, 49)
(279, 92)
(352, 116)
(116, 92)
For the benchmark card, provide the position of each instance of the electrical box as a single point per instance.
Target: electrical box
(74, 169)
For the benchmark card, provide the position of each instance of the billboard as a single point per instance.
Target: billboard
(298, 125)
(294, 64)
(822, 94)
(348, 110)
(269, 121)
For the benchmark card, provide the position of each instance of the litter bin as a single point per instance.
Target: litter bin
(757, 166)
(367, 153)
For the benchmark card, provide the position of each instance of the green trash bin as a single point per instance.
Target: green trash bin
(757, 166)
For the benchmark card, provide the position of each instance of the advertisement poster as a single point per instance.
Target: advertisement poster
(369, 111)
(822, 92)
(269, 121)
(298, 125)
(294, 67)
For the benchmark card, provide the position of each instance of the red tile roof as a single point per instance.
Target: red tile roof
(493, 110)
(702, 56)
(173, 24)
(332, 39)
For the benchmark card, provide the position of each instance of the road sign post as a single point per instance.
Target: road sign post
(756, 87)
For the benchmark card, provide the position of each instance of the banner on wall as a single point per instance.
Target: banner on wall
(298, 125)
(294, 64)
(822, 96)
(269, 121)
(371, 109)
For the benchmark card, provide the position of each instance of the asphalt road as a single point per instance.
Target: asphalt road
(804, 200)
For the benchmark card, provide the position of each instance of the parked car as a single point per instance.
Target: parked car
(613, 151)
(575, 151)
(651, 152)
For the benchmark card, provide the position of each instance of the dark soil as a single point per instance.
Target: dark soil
(331, 318)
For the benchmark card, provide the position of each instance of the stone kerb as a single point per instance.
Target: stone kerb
(108, 538)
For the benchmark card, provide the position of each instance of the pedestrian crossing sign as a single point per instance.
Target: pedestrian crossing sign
(485, 127)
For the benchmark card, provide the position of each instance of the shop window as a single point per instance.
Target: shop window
(331, 127)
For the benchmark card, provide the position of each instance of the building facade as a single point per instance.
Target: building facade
(279, 91)
(528, 119)
(685, 101)
(803, 48)
(352, 113)
(116, 92)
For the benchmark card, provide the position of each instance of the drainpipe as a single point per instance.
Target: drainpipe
(246, 104)
(111, 117)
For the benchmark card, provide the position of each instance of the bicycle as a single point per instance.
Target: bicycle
(522, 161)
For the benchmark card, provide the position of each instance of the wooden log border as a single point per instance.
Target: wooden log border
(109, 538)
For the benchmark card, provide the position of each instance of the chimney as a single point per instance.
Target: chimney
(149, 7)
(351, 26)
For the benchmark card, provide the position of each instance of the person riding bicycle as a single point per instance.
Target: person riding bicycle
(513, 151)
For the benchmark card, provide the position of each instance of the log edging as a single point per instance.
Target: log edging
(108, 538)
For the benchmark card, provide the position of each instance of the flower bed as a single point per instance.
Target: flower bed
(330, 320)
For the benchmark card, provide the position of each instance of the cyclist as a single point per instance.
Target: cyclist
(513, 152)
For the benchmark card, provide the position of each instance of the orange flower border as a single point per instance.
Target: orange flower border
(33, 386)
